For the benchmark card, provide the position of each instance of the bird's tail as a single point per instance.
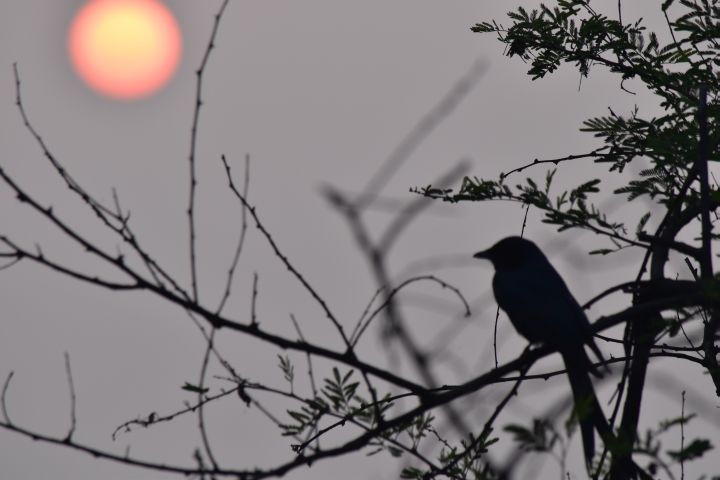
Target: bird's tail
(589, 413)
(587, 408)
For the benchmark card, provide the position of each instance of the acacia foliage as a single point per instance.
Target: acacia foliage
(573, 32)
(681, 73)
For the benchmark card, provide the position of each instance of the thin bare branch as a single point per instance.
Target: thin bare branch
(429, 401)
(114, 220)
(122, 459)
(311, 374)
(71, 385)
(193, 145)
(364, 314)
(487, 427)
(16, 257)
(153, 418)
(598, 152)
(3, 397)
(200, 409)
(296, 273)
(214, 319)
(394, 291)
(43, 260)
(102, 212)
(241, 239)
(253, 301)
(395, 325)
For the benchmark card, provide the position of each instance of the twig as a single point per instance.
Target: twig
(3, 400)
(430, 401)
(193, 145)
(365, 313)
(43, 260)
(343, 419)
(16, 257)
(106, 215)
(122, 459)
(394, 292)
(201, 405)
(682, 438)
(376, 253)
(304, 347)
(598, 152)
(73, 418)
(313, 293)
(253, 302)
(153, 418)
(497, 310)
(48, 213)
(349, 353)
(495, 328)
(241, 240)
(307, 356)
(100, 210)
(487, 428)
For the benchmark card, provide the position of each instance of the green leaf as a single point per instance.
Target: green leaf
(666, 425)
(298, 417)
(194, 388)
(540, 439)
(666, 4)
(641, 224)
(287, 368)
(695, 449)
(411, 472)
(394, 451)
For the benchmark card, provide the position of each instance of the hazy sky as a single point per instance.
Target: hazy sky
(317, 92)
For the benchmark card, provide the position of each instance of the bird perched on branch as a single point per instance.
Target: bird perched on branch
(542, 309)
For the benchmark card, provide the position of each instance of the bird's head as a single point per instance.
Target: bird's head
(511, 252)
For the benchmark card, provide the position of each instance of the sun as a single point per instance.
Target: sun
(125, 49)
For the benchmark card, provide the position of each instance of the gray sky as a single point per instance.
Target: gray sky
(317, 92)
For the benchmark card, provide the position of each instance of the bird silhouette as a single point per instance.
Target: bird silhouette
(542, 309)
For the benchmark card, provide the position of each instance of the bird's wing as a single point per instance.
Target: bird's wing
(540, 306)
(584, 324)
(542, 309)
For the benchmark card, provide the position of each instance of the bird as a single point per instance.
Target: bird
(541, 308)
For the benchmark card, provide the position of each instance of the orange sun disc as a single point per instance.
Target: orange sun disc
(125, 49)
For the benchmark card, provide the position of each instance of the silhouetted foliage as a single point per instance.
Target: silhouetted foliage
(682, 73)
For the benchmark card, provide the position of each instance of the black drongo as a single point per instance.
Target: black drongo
(542, 309)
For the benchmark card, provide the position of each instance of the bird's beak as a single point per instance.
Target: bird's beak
(483, 254)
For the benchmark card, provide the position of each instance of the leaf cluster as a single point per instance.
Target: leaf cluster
(569, 209)
(338, 398)
(573, 32)
(464, 461)
(542, 437)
